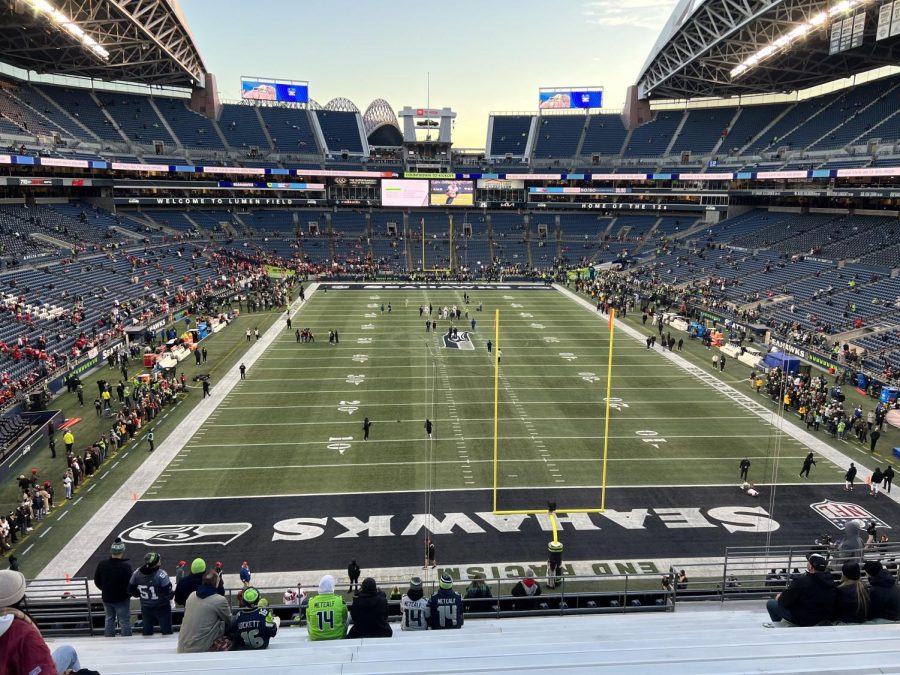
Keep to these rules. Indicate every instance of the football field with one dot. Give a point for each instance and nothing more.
(280, 470)
(295, 425)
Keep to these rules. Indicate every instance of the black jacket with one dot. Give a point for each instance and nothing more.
(847, 608)
(186, 586)
(810, 598)
(885, 597)
(112, 577)
(370, 616)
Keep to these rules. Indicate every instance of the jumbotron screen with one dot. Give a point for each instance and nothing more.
(452, 193)
(404, 192)
(551, 99)
(286, 91)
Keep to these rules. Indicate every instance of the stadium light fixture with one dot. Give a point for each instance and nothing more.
(69, 26)
(796, 34)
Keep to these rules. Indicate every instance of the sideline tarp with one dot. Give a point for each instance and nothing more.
(788, 363)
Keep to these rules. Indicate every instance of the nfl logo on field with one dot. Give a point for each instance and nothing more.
(840, 513)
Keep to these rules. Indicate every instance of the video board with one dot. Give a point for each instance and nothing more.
(559, 98)
(452, 193)
(404, 192)
(286, 91)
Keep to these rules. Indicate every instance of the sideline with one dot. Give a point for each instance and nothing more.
(780, 424)
(75, 554)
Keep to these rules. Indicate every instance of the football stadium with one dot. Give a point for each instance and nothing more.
(618, 385)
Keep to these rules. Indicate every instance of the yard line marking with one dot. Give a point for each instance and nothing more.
(25, 552)
(477, 438)
(568, 460)
(78, 500)
(88, 490)
(62, 515)
(44, 533)
(779, 423)
(78, 550)
(593, 404)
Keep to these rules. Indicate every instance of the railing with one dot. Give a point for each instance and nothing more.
(745, 573)
(74, 607)
(755, 572)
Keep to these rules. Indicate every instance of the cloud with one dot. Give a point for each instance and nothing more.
(642, 14)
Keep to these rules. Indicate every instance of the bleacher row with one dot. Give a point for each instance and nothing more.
(699, 640)
(107, 117)
(828, 122)
(127, 126)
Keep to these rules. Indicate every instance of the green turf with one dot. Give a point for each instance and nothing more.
(225, 349)
(272, 434)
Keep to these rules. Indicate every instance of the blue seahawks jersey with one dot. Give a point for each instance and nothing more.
(252, 629)
(446, 609)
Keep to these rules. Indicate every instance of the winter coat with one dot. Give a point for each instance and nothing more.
(847, 607)
(885, 596)
(22, 649)
(206, 615)
(112, 577)
(188, 585)
(369, 612)
(810, 598)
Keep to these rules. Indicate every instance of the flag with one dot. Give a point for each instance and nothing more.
(612, 317)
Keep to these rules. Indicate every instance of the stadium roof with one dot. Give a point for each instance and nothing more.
(705, 40)
(147, 41)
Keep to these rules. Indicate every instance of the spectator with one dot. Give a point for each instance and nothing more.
(369, 612)
(206, 615)
(353, 572)
(112, 577)
(850, 548)
(326, 613)
(414, 607)
(253, 626)
(527, 587)
(190, 582)
(808, 599)
(852, 595)
(22, 649)
(153, 586)
(478, 593)
(883, 592)
(445, 607)
(245, 574)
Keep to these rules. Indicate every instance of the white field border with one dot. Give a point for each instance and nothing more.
(782, 426)
(73, 556)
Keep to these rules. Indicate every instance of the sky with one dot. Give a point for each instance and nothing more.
(483, 56)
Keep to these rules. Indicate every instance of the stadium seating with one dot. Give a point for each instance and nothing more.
(558, 136)
(241, 128)
(136, 117)
(605, 135)
(510, 134)
(716, 639)
(702, 130)
(80, 104)
(192, 129)
(341, 130)
(653, 138)
(290, 130)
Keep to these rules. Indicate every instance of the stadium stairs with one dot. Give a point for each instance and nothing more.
(703, 638)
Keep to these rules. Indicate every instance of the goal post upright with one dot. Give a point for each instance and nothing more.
(496, 354)
(609, 372)
(605, 460)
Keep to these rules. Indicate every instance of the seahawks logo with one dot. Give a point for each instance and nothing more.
(459, 341)
(154, 536)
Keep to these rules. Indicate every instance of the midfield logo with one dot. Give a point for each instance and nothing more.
(840, 513)
(183, 535)
(459, 341)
